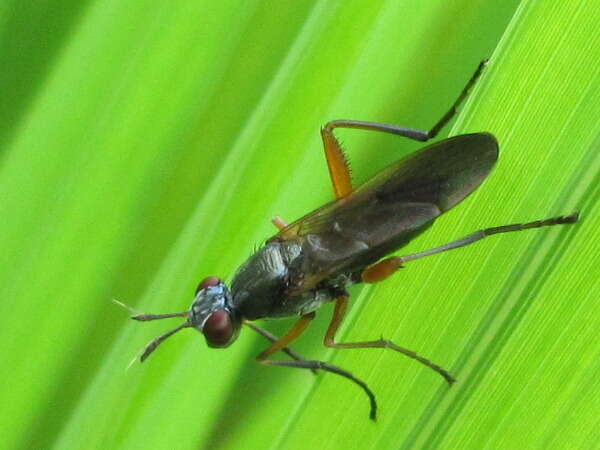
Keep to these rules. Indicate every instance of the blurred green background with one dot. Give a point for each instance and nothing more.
(146, 144)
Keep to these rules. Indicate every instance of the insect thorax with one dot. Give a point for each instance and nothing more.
(261, 287)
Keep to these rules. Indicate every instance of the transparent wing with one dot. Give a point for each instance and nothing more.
(391, 208)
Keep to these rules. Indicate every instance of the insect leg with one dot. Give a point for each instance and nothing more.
(279, 223)
(320, 365)
(281, 226)
(337, 162)
(293, 334)
(271, 337)
(461, 98)
(410, 133)
(478, 235)
(381, 270)
(341, 304)
(289, 337)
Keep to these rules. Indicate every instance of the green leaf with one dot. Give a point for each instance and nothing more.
(147, 144)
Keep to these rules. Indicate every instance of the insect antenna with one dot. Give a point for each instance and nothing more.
(148, 317)
(141, 317)
(157, 341)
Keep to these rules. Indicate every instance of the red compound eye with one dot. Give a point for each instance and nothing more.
(218, 329)
(207, 282)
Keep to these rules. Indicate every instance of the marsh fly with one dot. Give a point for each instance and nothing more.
(347, 241)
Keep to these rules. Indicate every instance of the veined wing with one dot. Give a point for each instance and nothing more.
(391, 208)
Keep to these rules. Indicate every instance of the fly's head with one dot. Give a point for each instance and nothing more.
(213, 314)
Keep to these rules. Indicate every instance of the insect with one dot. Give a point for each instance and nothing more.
(348, 241)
